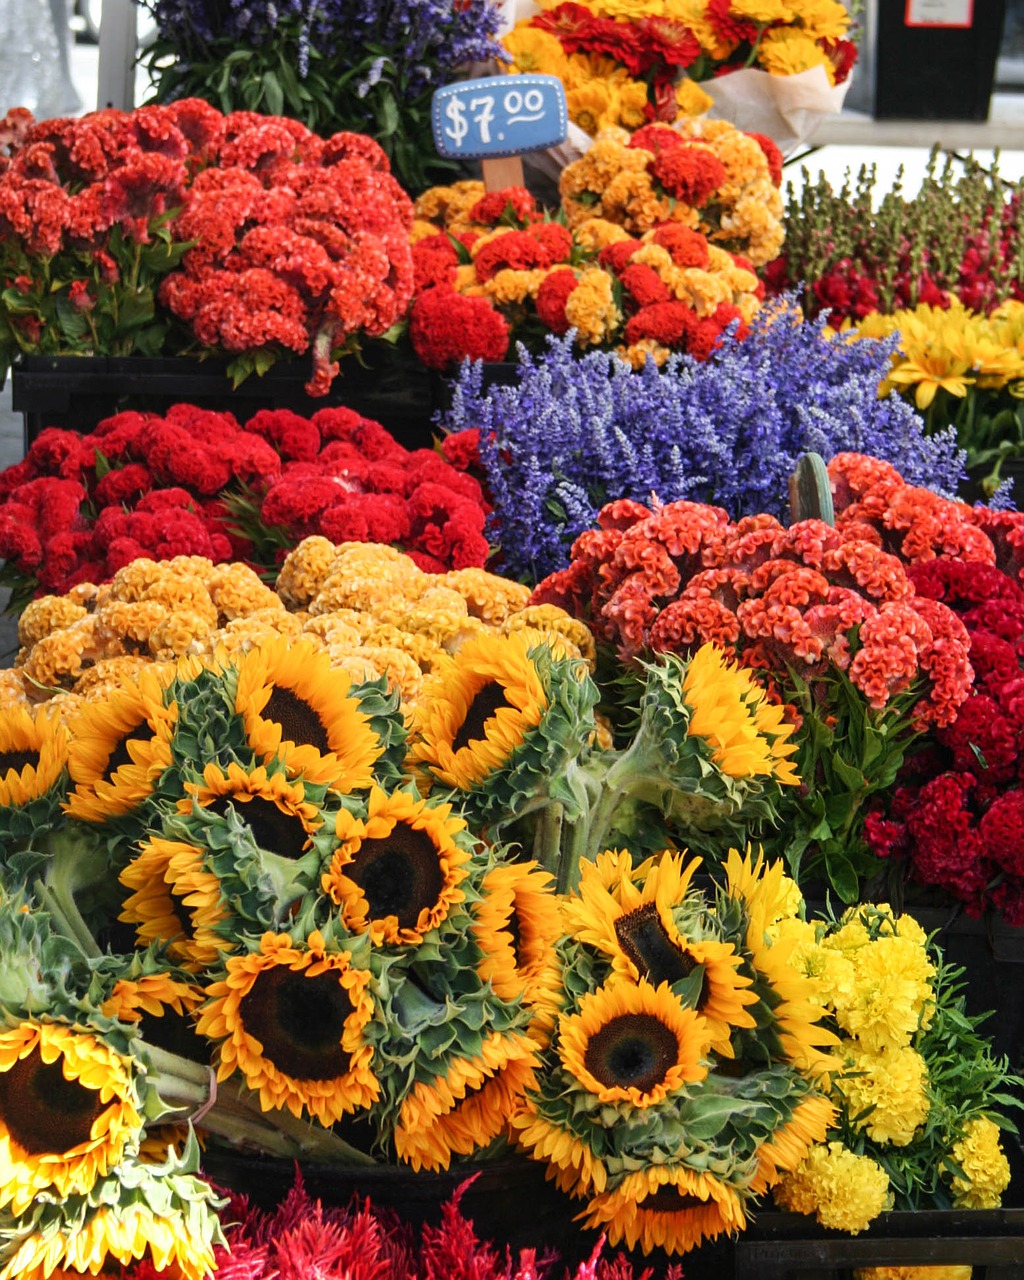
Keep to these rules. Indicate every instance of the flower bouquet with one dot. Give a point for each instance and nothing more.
(79, 507)
(179, 230)
(366, 68)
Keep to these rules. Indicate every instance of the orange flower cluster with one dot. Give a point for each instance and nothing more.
(811, 600)
(873, 503)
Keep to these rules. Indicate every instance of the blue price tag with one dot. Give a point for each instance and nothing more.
(499, 116)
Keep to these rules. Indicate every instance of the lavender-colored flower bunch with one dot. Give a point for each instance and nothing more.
(575, 433)
(370, 66)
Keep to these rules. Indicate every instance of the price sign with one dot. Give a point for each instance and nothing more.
(499, 116)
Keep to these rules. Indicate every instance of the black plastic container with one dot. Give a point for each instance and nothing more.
(936, 72)
(78, 392)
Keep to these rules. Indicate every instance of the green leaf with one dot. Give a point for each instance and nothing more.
(273, 93)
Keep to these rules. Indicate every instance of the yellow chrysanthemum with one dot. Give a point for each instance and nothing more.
(841, 1189)
(67, 1112)
(292, 1021)
(986, 1171)
(175, 902)
(476, 709)
(627, 914)
(397, 873)
(747, 733)
(469, 1106)
(296, 706)
(123, 1233)
(633, 1044)
(34, 748)
(668, 1207)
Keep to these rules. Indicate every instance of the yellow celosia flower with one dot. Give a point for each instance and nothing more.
(591, 308)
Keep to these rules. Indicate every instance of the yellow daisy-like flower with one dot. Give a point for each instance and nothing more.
(986, 1171)
(469, 1106)
(176, 902)
(516, 924)
(124, 1234)
(747, 733)
(67, 1112)
(789, 1144)
(840, 1188)
(34, 748)
(591, 105)
(627, 915)
(476, 709)
(292, 1021)
(396, 875)
(273, 806)
(668, 1207)
(824, 19)
(120, 746)
(634, 1044)
(536, 52)
(298, 707)
(786, 51)
(798, 1010)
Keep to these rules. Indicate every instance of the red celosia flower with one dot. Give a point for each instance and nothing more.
(552, 296)
(688, 248)
(772, 154)
(644, 285)
(690, 174)
(434, 261)
(291, 435)
(515, 203)
(448, 327)
(616, 256)
(670, 323)
(657, 138)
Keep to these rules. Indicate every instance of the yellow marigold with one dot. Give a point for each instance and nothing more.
(592, 173)
(785, 51)
(891, 1086)
(631, 199)
(385, 635)
(591, 309)
(843, 1190)
(537, 52)
(638, 353)
(12, 688)
(754, 228)
(133, 580)
(304, 570)
(344, 627)
(986, 1169)
(47, 614)
(184, 593)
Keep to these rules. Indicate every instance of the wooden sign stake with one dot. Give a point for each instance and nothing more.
(501, 172)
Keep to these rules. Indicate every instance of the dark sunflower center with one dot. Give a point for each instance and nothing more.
(644, 939)
(299, 1021)
(632, 1051)
(671, 1200)
(298, 720)
(399, 875)
(44, 1111)
(119, 756)
(485, 702)
(272, 829)
(17, 760)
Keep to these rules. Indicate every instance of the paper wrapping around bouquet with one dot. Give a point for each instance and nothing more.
(787, 108)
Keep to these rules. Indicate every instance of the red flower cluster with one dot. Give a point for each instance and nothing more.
(957, 815)
(300, 244)
(809, 599)
(195, 482)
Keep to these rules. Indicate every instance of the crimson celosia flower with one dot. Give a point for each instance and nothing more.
(448, 327)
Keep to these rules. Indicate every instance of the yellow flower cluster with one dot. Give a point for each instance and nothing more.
(841, 1189)
(923, 1272)
(598, 91)
(612, 181)
(986, 1169)
(369, 606)
(955, 349)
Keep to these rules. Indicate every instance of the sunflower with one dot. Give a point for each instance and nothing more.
(668, 1207)
(120, 746)
(33, 754)
(295, 705)
(468, 1107)
(516, 923)
(292, 1019)
(627, 914)
(477, 708)
(162, 1007)
(114, 1234)
(397, 873)
(793, 997)
(810, 1122)
(68, 1111)
(572, 1163)
(747, 735)
(177, 902)
(634, 1044)
(272, 806)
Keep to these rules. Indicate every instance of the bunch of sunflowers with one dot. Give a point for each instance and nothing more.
(253, 900)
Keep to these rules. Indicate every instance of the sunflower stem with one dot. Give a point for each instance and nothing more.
(547, 837)
(67, 919)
